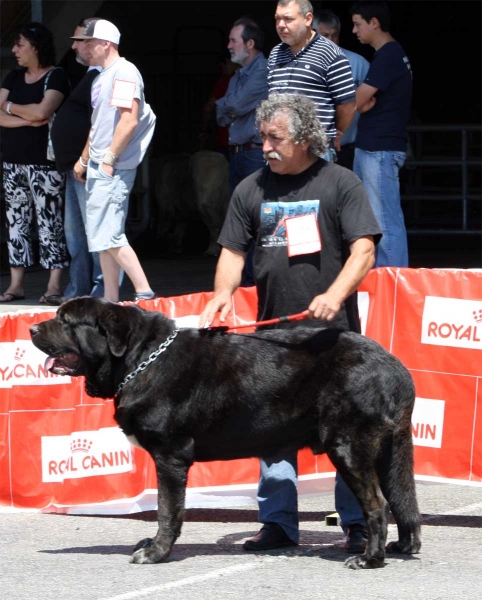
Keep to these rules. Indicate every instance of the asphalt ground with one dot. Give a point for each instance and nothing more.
(65, 557)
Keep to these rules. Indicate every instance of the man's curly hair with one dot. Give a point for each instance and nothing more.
(303, 124)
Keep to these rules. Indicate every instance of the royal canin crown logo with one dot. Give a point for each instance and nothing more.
(19, 353)
(477, 315)
(80, 445)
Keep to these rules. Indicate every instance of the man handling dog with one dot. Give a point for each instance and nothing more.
(317, 263)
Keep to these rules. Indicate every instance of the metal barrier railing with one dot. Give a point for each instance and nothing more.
(465, 162)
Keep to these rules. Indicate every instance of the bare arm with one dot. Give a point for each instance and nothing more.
(344, 114)
(125, 128)
(122, 135)
(12, 121)
(38, 112)
(79, 169)
(362, 258)
(227, 279)
(365, 97)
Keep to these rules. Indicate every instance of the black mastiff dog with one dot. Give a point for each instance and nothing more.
(194, 395)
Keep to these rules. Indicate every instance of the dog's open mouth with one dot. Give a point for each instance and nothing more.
(67, 364)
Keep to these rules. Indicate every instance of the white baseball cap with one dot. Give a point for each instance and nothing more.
(101, 30)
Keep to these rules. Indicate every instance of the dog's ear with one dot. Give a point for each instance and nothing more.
(116, 328)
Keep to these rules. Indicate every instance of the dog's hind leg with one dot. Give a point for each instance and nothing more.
(359, 474)
(395, 470)
(171, 481)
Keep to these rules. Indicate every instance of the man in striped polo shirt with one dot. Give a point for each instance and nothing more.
(307, 63)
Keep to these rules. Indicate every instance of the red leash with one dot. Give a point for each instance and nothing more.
(298, 317)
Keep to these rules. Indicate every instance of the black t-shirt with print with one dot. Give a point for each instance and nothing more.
(28, 145)
(258, 205)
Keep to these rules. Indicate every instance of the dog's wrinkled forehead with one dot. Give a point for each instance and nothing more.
(86, 310)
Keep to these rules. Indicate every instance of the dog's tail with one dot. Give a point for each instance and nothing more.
(395, 472)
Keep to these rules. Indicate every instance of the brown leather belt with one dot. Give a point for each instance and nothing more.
(243, 147)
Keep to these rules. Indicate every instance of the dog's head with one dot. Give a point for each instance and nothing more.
(90, 337)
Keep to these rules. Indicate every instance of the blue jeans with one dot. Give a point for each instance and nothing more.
(242, 164)
(278, 497)
(379, 174)
(85, 272)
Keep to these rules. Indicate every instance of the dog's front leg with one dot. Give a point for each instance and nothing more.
(171, 482)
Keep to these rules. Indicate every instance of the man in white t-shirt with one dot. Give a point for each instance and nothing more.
(122, 128)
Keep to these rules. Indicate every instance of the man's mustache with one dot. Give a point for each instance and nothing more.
(272, 154)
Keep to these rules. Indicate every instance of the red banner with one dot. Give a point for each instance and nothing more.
(60, 450)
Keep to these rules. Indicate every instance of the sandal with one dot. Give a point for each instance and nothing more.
(12, 297)
(52, 300)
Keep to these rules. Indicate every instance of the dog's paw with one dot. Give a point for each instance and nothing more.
(402, 548)
(363, 562)
(147, 553)
(145, 543)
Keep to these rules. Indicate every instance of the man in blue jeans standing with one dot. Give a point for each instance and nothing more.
(322, 274)
(236, 110)
(383, 100)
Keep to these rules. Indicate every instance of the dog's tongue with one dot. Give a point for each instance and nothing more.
(49, 363)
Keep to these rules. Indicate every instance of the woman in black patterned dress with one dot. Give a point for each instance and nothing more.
(29, 96)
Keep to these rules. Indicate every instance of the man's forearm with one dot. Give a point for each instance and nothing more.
(86, 151)
(369, 104)
(223, 118)
(365, 97)
(354, 271)
(229, 271)
(344, 114)
(122, 135)
(227, 279)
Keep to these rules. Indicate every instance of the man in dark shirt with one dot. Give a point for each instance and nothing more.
(69, 134)
(236, 110)
(328, 249)
(246, 89)
(383, 100)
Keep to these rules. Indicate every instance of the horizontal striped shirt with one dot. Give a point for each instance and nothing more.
(320, 71)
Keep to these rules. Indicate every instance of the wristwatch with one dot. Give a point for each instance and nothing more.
(109, 158)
